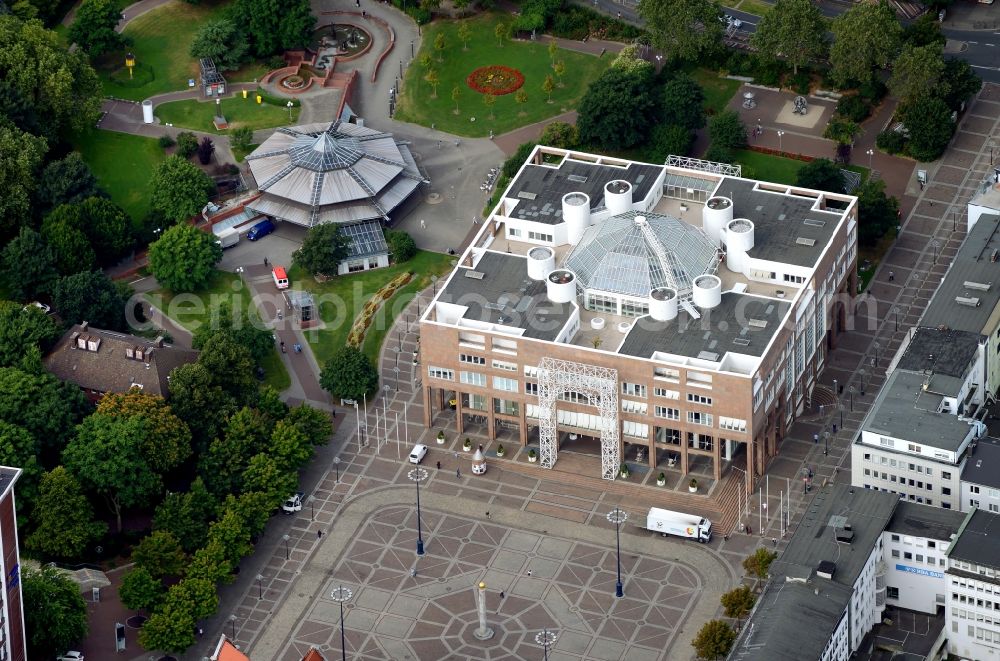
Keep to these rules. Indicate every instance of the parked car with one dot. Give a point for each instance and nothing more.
(293, 503)
(260, 230)
(418, 453)
(280, 277)
(41, 306)
(72, 655)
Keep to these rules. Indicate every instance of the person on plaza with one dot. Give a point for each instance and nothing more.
(458, 472)
(439, 465)
(892, 276)
(282, 347)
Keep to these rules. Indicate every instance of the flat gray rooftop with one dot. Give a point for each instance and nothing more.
(868, 512)
(539, 189)
(983, 464)
(780, 221)
(978, 540)
(973, 265)
(721, 329)
(504, 294)
(792, 621)
(919, 520)
(942, 351)
(903, 410)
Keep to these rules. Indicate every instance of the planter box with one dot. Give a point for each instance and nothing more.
(532, 459)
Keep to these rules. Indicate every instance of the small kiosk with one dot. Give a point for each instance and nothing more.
(479, 462)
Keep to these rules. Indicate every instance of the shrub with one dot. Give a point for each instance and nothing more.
(166, 141)
(854, 108)
(889, 141)
(187, 144)
(513, 164)
(768, 72)
(275, 101)
(873, 91)
(799, 82)
(401, 245)
(668, 139)
(720, 154)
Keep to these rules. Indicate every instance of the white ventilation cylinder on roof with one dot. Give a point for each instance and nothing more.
(715, 216)
(739, 240)
(576, 215)
(663, 304)
(707, 292)
(618, 196)
(541, 262)
(560, 285)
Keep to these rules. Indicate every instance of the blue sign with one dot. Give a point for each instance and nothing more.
(921, 572)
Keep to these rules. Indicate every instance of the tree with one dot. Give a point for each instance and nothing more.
(275, 25)
(929, 122)
(246, 435)
(107, 227)
(401, 245)
(520, 98)
(962, 83)
(167, 443)
(48, 408)
(200, 401)
(170, 629)
(726, 131)
(55, 615)
(21, 156)
(670, 139)
(187, 144)
(682, 29)
(92, 296)
(925, 31)
(198, 593)
(464, 34)
(866, 38)
(63, 518)
(28, 265)
(314, 424)
(841, 130)
(186, 515)
(139, 591)
(821, 174)
(439, 45)
(714, 640)
(433, 80)
(560, 134)
(232, 366)
(231, 530)
(877, 213)
(553, 49)
(19, 448)
(758, 563)
(205, 150)
(289, 446)
(223, 41)
(323, 249)
(489, 101)
(179, 189)
(917, 73)
(264, 474)
(243, 328)
(107, 457)
(630, 59)
(683, 103)
(501, 32)
(184, 258)
(795, 31)
(618, 110)
(559, 68)
(349, 374)
(160, 554)
(209, 562)
(94, 27)
(241, 138)
(456, 94)
(738, 602)
(22, 327)
(70, 246)
(547, 86)
(65, 181)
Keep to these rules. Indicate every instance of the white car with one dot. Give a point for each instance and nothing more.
(418, 454)
(41, 306)
(293, 503)
(72, 655)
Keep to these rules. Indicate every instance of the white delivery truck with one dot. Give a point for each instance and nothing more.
(679, 524)
(228, 237)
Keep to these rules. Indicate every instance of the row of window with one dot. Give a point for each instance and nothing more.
(978, 586)
(918, 557)
(903, 465)
(992, 507)
(904, 496)
(985, 604)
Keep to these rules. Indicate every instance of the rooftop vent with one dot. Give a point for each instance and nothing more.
(968, 302)
(845, 534)
(994, 256)
(802, 241)
(475, 275)
(526, 195)
(742, 341)
(826, 569)
(577, 178)
(757, 323)
(979, 286)
(708, 355)
(813, 223)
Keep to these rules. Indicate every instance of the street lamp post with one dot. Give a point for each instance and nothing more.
(826, 443)
(260, 592)
(546, 639)
(336, 465)
(835, 391)
(935, 244)
(395, 370)
(780, 133)
(895, 317)
(871, 154)
(875, 347)
(850, 389)
(861, 373)
(618, 516)
(992, 144)
(286, 538)
(341, 594)
(232, 621)
(840, 408)
(417, 475)
(434, 282)
(312, 508)
(290, 104)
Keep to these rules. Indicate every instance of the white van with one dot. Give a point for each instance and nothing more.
(280, 277)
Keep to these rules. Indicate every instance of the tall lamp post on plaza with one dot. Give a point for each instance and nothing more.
(285, 538)
(618, 516)
(232, 621)
(341, 594)
(826, 443)
(875, 347)
(546, 639)
(895, 317)
(417, 475)
(260, 592)
(840, 407)
(862, 373)
(336, 465)
(935, 244)
(992, 144)
(851, 389)
(871, 154)
(780, 133)
(434, 283)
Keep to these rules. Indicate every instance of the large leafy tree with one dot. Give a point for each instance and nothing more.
(168, 439)
(209, 562)
(738, 602)
(924, 31)
(198, 593)
(324, 247)
(94, 27)
(179, 189)
(170, 629)
(27, 265)
(290, 446)
(962, 83)
(223, 41)
(183, 259)
(186, 515)
(618, 110)
(683, 29)
(70, 246)
(758, 563)
(725, 133)
(21, 156)
(929, 122)
(275, 25)
(160, 554)
(55, 615)
(246, 435)
(19, 448)
(683, 103)
(66, 181)
(795, 30)
(714, 640)
(918, 73)
(349, 374)
(314, 423)
(107, 457)
(265, 475)
(866, 38)
(821, 174)
(877, 212)
(139, 591)
(231, 365)
(63, 518)
(200, 401)
(22, 327)
(107, 226)
(48, 408)
(92, 296)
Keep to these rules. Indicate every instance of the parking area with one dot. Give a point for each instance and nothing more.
(277, 247)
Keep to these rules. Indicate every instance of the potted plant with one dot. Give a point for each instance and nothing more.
(500, 450)
(532, 455)
(623, 471)
(661, 479)
(693, 485)
(467, 445)
(440, 437)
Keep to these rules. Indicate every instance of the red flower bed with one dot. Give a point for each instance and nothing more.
(495, 79)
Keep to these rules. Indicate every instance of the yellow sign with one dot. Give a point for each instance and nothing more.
(260, 99)
(244, 94)
(129, 62)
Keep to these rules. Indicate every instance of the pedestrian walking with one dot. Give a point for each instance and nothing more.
(282, 347)
(749, 530)
(357, 3)
(458, 472)
(502, 595)
(319, 534)
(364, 14)
(423, 224)
(529, 572)
(892, 276)
(439, 465)
(265, 261)
(488, 515)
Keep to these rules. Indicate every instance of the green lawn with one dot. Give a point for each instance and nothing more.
(417, 104)
(718, 90)
(766, 167)
(342, 298)
(122, 164)
(198, 115)
(239, 154)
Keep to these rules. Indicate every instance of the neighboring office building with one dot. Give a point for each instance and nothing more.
(701, 301)
(986, 200)
(981, 477)
(973, 615)
(101, 361)
(12, 635)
